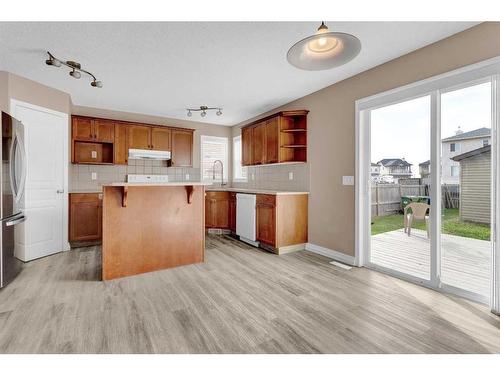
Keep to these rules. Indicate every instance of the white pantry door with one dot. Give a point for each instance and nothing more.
(45, 200)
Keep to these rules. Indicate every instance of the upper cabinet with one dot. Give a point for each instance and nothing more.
(272, 140)
(95, 130)
(182, 148)
(160, 139)
(139, 136)
(104, 130)
(103, 141)
(92, 140)
(280, 138)
(246, 146)
(82, 128)
(259, 143)
(121, 144)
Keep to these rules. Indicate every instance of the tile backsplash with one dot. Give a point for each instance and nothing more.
(80, 175)
(268, 177)
(276, 177)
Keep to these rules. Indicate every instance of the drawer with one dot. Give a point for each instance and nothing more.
(266, 200)
(85, 197)
(218, 195)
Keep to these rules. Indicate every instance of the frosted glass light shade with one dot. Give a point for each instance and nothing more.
(324, 50)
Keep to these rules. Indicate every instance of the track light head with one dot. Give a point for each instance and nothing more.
(95, 83)
(75, 74)
(219, 112)
(53, 62)
(203, 114)
(189, 114)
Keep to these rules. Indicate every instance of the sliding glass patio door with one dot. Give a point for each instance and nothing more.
(466, 189)
(400, 201)
(427, 182)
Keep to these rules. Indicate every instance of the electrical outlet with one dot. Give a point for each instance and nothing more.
(253, 176)
(187, 176)
(93, 154)
(94, 176)
(290, 176)
(347, 180)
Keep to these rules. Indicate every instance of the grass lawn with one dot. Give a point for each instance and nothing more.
(450, 222)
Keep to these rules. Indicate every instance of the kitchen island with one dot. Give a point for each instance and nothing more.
(151, 226)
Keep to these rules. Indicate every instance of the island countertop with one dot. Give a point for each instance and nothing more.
(184, 183)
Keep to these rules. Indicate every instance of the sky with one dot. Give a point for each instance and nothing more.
(403, 130)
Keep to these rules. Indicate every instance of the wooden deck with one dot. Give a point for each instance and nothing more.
(465, 262)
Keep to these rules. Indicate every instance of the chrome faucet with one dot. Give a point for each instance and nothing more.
(222, 172)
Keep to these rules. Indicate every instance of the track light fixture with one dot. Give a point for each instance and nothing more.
(203, 109)
(76, 69)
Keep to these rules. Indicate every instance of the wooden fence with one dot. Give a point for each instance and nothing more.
(386, 198)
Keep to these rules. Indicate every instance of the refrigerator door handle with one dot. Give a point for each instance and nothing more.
(17, 189)
(16, 220)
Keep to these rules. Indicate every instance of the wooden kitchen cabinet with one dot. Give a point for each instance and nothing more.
(121, 144)
(279, 138)
(259, 144)
(104, 130)
(246, 146)
(160, 139)
(232, 212)
(105, 141)
(281, 222)
(85, 217)
(93, 130)
(92, 153)
(182, 148)
(266, 219)
(217, 209)
(139, 137)
(272, 140)
(82, 128)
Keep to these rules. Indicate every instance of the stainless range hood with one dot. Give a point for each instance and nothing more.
(134, 153)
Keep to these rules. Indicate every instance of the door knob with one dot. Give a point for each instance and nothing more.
(60, 191)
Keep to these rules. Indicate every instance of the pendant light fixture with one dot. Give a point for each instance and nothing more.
(324, 50)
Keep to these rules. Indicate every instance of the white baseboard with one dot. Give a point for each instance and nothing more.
(332, 254)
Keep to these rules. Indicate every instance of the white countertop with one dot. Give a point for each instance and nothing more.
(258, 191)
(185, 183)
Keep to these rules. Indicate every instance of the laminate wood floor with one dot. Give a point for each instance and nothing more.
(241, 300)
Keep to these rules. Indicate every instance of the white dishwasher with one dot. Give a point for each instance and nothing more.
(245, 217)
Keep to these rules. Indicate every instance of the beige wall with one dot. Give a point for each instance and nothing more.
(200, 128)
(4, 91)
(331, 125)
(32, 92)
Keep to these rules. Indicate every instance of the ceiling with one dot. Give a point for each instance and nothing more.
(162, 68)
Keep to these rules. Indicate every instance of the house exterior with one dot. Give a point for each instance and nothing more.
(459, 144)
(397, 168)
(475, 184)
(374, 170)
(425, 169)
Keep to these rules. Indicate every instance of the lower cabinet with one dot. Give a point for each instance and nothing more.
(266, 219)
(217, 209)
(232, 212)
(85, 217)
(281, 220)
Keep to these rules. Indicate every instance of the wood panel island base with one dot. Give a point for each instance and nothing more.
(149, 227)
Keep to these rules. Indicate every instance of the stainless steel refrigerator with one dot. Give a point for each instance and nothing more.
(12, 180)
